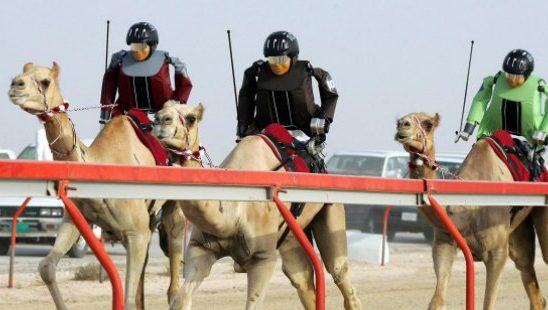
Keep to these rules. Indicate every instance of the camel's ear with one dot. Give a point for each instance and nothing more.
(436, 120)
(55, 70)
(199, 111)
(27, 67)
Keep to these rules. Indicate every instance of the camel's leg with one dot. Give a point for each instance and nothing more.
(329, 229)
(140, 296)
(297, 268)
(540, 221)
(443, 255)
(259, 274)
(198, 263)
(522, 252)
(494, 265)
(67, 235)
(173, 221)
(137, 248)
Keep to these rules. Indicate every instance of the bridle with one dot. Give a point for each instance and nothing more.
(187, 153)
(422, 160)
(48, 114)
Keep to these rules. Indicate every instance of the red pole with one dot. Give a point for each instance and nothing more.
(13, 236)
(384, 232)
(309, 249)
(95, 245)
(452, 229)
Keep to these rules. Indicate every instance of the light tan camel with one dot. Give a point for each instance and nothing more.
(36, 91)
(488, 231)
(176, 125)
(248, 232)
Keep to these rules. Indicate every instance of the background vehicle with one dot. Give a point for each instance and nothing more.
(368, 218)
(41, 219)
(7, 154)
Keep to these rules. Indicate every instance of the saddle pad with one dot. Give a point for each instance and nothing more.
(280, 142)
(500, 141)
(150, 141)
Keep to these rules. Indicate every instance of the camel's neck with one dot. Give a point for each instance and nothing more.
(62, 138)
(422, 166)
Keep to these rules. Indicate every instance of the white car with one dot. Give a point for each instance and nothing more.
(40, 221)
(387, 164)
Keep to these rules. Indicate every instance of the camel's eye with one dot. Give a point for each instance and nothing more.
(168, 120)
(45, 83)
(427, 125)
(190, 119)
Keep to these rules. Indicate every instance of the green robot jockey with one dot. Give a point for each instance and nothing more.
(513, 104)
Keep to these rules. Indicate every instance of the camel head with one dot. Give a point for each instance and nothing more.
(416, 132)
(36, 89)
(176, 125)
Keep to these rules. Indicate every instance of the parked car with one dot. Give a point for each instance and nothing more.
(389, 164)
(40, 221)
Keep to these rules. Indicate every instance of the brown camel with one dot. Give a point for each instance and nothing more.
(491, 233)
(36, 91)
(176, 125)
(248, 232)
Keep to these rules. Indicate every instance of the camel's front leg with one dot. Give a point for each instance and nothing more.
(173, 222)
(198, 263)
(259, 273)
(137, 249)
(297, 268)
(329, 229)
(522, 252)
(494, 265)
(67, 235)
(443, 254)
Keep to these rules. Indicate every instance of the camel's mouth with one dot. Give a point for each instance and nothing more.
(18, 99)
(401, 137)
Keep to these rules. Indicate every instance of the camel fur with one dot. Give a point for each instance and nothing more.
(491, 233)
(248, 232)
(36, 92)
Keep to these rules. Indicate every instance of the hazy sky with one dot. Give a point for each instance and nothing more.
(387, 58)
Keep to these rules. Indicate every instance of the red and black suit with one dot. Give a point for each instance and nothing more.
(144, 84)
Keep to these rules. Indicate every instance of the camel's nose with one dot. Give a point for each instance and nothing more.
(405, 123)
(19, 83)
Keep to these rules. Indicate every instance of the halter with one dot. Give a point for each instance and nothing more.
(424, 160)
(186, 153)
(48, 114)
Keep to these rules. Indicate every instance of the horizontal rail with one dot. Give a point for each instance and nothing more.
(31, 178)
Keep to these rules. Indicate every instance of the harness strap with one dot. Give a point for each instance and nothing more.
(296, 210)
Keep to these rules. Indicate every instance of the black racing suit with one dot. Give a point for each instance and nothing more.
(288, 99)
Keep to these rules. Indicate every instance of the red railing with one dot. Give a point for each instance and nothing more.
(77, 172)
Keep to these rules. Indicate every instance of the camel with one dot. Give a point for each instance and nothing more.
(491, 233)
(176, 125)
(36, 92)
(248, 232)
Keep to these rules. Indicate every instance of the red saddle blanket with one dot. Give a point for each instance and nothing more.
(140, 121)
(501, 141)
(281, 143)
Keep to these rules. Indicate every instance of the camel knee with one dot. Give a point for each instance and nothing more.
(47, 268)
(301, 280)
(339, 269)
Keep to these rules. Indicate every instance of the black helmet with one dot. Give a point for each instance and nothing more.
(142, 33)
(519, 61)
(281, 43)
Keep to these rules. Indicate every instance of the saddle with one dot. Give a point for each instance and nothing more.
(143, 126)
(514, 152)
(291, 152)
